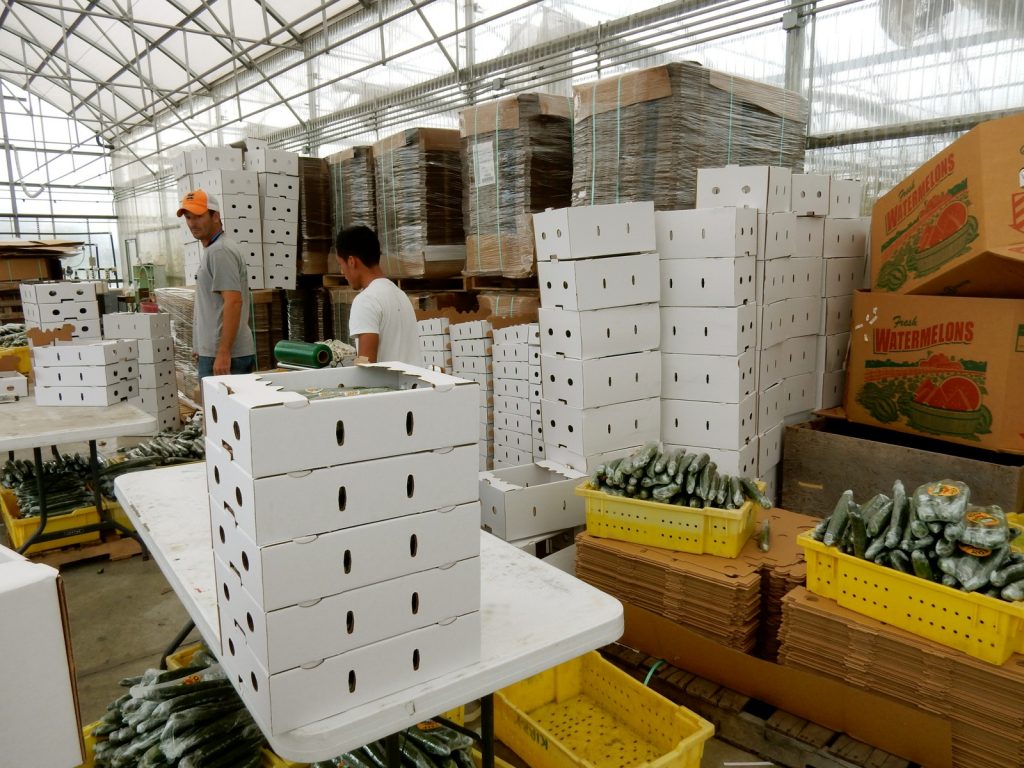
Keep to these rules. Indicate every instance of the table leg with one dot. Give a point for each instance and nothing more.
(394, 750)
(178, 640)
(106, 521)
(487, 730)
(37, 454)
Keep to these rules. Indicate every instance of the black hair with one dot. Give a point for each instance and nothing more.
(360, 241)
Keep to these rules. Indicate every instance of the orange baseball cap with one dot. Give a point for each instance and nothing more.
(198, 202)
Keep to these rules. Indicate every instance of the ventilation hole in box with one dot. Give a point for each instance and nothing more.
(746, 189)
(408, 423)
(707, 426)
(707, 378)
(216, 475)
(568, 333)
(633, 279)
(549, 284)
(636, 377)
(609, 429)
(342, 498)
(714, 191)
(636, 330)
(231, 646)
(608, 332)
(252, 679)
(565, 285)
(245, 561)
(250, 622)
(636, 423)
(414, 545)
(238, 432)
(705, 331)
(570, 428)
(350, 622)
(410, 486)
(674, 333)
(223, 538)
(671, 235)
(346, 561)
(416, 660)
(598, 229)
(238, 495)
(227, 592)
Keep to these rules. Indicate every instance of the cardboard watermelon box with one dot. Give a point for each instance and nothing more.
(956, 225)
(945, 367)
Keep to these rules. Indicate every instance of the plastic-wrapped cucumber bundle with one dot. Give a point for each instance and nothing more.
(353, 187)
(426, 745)
(943, 501)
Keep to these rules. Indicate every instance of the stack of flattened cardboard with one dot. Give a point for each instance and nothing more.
(353, 188)
(983, 701)
(314, 215)
(34, 259)
(643, 135)
(268, 322)
(179, 303)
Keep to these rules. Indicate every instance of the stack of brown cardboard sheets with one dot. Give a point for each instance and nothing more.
(269, 324)
(34, 259)
(983, 701)
(315, 226)
(353, 188)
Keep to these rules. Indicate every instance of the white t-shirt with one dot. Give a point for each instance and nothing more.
(382, 308)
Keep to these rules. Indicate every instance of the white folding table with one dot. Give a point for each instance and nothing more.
(534, 616)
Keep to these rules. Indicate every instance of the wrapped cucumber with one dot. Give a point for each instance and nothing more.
(753, 492)
(984, 527)
(898, 520)
(675, 455)
(665, 493)
(684, 465)
(1008, 575)
(1014, 592)
(950, 581)
(736, 491)
(943, 501)
(944, 547)
(875, 548)
(922, 568)
(839, 520)
(707, 477)
(974, 573)
(901, 561)
(722, 491)
(879, 521)
(645, 456)
(858, 532)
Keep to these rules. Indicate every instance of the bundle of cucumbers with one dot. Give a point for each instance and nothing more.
(426, 745)
(675, 476)
(166, 448)
(189, 718)
(934, 533)
(64, 479)
(13, 335)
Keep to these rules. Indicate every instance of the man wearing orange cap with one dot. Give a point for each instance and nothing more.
(221, 339)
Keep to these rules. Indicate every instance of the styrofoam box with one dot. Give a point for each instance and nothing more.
(157, 400)
(433, 326)
(706, 233)
(436, 342)
(223, 183)
(279, 209)
(801, 392)
(517, 405)
(845, 238)
(539, 450)
(769, 451)
(62, 311)
(215, 159)
(790, 278)
(586, 431)
(614, 281)
(514, 422)
(707, 282)
(708, 330)
(836, 314)
(14, 383)
(535, 392)
(155, 350)
(280, 232)
(799, 355)
(530, 500)
(766, 188)
(251, 252)
(511, 387)
(85, 353)
(775, 235)
(559, 454)
(54, 292)
(741, 462)
(845, 199)
(509, 439)
(599, 332)
(830, 389)
(844, 276)
(770, 408)
(113, 393)
(272, 161)
(788, 318)
(271, 428)
(278, 185)
(238, 207)
(506, 457)
(137, 325)
(535, 376)
(832, 352)
(602, 380)
(86, 375)
(473, 329)
(728, 426)
(279, 253)
(485, 380)
(80, 329)
(811, 194)
(305, 634)
(304, 695)
(770, 367)
(808, 237)
(594, 230)
(709, 378)
(464, 365)
(156, 375)
(471, 348)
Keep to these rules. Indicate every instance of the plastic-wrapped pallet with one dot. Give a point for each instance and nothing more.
(315, 233)
(354, 188)
(516, 161)
(642, 135)
(419, 203)
(517, 303)
(436, 345)
(52, 305)
(179, 303)
(514, 413)
(471, 359)
(158, 386)
(405, 472)
(87, 372)
(600, 331)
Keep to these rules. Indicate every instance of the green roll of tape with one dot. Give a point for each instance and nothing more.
(303, 353)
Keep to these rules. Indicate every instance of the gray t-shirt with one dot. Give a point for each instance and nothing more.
(221, 268)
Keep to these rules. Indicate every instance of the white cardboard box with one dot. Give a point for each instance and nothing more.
(790, 278)
(471, 348)
(603, 380)
(284, 232)
(594, 230)
(156, 401)
(257, 280)
(279, 254)
(832, 351)
(193, 258)
(598, 430)
(14, 384)
(535, 392)
(54, 292)
(776, 235)
(808, 237)
(245, 230)
(845, 199)
(39, 719)
(278, 276)
(514, 422)
(739, 463)
(278, 185)
(599, 332)
(505, 457)
(769, 451)
(156, 375)
(433, 326)
(235, 207)
(516, 440)
(770, 407)
(272, 161)
(788, 318)
(108, 395)
(168, 418)
(80, 329)
(836, 314)
(709, 378)
(516, 352)
(467, 365)
(530, 500)
(512, 387)
(86, 375)
(799, 355)
(156, 350)
(222, 183)
(515, 405)
(770, 366)
(512, 334)
(279, 209)
(616, 281)
(137, 325)
(729, 426)
(845, 238)
(64, 311)
(587, 464)
(85, 353)
(708, 330)
(272, 428)
(252, 252)
(766, 188)
(706, 233)
(811, 194)
(830, 389)
(473, 329)
(215, 159)
(844, 276)
(484, 380)
(539, 450)
(535, 373)
(708, 282)
(801, 392)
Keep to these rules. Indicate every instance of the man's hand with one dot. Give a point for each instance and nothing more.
(222, 364)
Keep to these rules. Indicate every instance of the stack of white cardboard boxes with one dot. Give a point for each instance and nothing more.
(375, 587)
(86, 373)
(277, 175)
(472, 360)
(52, 305)
(536, 391)
(158, 388)
(600, 329)
(436, 344)
(513, 409)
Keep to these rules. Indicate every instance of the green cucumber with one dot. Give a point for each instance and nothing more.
(922, 568)
(707, 477)
(1013, 592)
(723, 490)
(818, 532)
(736, 491)
(684, 465)
(898, 519)
(753, 492)
(880, 519)
(839, 520)
(950, 581)
(858, 532)
(1007, 575)
(675, 455)
(665, 492)
(900, 561)
(874, 549)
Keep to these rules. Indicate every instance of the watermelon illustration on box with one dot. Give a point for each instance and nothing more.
(944, 367)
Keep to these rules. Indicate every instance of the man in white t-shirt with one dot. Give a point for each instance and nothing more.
(382, 321)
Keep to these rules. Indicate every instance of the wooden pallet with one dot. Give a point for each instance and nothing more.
(115, 547)
(752, 725)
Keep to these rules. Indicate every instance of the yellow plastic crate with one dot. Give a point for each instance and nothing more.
(710, 531)
(587, 712)
(983, 627)
(19, 529)
(23, 355)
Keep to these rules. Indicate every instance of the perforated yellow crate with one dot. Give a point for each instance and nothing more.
(19, 529)
(710, 531)
(983, 627)
(587, 712)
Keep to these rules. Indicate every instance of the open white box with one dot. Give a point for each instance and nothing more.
(86, 375)
(729, 426)
(137, 325)
(271, 428)
(831, 388)
(845, 199)
(602, 380)
(708, 282)
(85, 353)
(530, 500)
(766, 188)
(844, 276)
(832, 351)
(278, 185)
(599, 332)
(514, 352)
(587, 431)
(279, 209)
(769, 451)
(836, 314)
(472, 329)
(615, 281)
(776, 235)
(13, 384)
(845, 238)
(790, 278)
(808, 237)
(222, 183)
(100, 396)
(709, 378)
(706, 233)
(799, 355)
(708, 330)
(594, 230)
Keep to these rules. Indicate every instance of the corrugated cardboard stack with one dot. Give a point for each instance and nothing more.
(513, 411)
(34, 259)
(471, 359)
(158, 386)
(86, 373)
(436, 346)
(52, 305)
(277, 180)
(599, 331)
(643, 135)
(516, 161)
(981, 700)
(322, 612)
(315, 233)
(268, 325)
(354, 188)
(419, 203)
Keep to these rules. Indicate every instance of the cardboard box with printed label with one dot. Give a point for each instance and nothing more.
(85, 353)
(845, 238)
(957, 223)
(788, 278)
(707, 282)
(615, 281)
(137, 325)
(594, 230)
(808, 237)
(811, 194)
(706, 233)
(938, 366)
(112, 393)
(729, 426)
(599, 332)
(86, 375)
(603, 380)
(598, 430)
(708, 330)
(709, 378)
(530, 500)
(766, 188)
